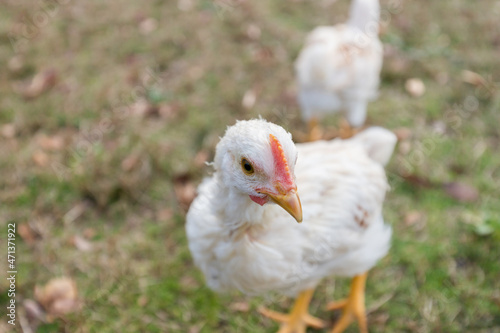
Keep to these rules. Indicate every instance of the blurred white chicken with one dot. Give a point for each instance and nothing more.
(339, 68)
(242, 241)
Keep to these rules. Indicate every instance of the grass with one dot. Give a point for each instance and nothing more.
(112, 174)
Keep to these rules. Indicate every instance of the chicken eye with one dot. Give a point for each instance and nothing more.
(246, 166)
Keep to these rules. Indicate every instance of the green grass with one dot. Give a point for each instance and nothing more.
(443, 271)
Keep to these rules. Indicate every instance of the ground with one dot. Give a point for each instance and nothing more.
(109, 110)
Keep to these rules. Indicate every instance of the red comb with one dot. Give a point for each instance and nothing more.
(281, 164)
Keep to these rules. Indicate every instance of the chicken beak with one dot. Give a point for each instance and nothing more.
(290, 202)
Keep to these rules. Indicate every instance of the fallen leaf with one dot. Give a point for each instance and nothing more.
(28, 235)
(253, 31)
(33, 310)
(143, 108)
(187, 281)
(8, 131)
(148, 25)
(16, 63)
(40, 158)
(379, 319)
(439, 127)
(195, 328)
(412, 217)
(249, 99)
(473, 78)
(461, 192)
(240, 306)
(263, 54)
(403, 133)
(418, 180)
(81, 243)
(496, 298)
(442, 78)
(53, 143)
(58, 297)
(201, 158)
(142, 301)
(40, 83)
(404, 147)
(415, 87)
(185, 5)
(195, 72)
(185, 191)
(89, 233)
(130, 162)
(75, 212)
(395, 62)
(164, 214)
(168, 111)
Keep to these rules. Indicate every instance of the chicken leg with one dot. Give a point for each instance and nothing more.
(315, 132)
(299, 318)
(353, 306)
(346, 131)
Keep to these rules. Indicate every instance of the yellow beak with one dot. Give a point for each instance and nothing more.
(290, 202)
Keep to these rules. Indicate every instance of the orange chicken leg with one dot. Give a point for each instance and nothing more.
(352, 307)
(299, 318)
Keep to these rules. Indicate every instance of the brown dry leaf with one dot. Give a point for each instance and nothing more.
(89, 233)
(81, 243)
(415, 87)
(473, 78)
(164, 214)
(249, 99)
(253, 31)
(461, 192)
(415, 219)
(130, 162)
(240, 306)
(187, 281)
(201, 158)
(185, 191)
(404, 147)
(148, 25)
(395, 61)
(16, 63)
(412, 217)
(33, 310)
(196, 328)
(142, 301)
(41, 82)
(442, 78)
(58, 297)
(403, 133)
(379, 319)
(28, 235)
(8, 131)
(168, 111)
(143, 108)
(496, 298)
(195, 72)
(75, 212)
(185, 5)
(52, 143)
(40, 158)
(418, 180)
(263, 54)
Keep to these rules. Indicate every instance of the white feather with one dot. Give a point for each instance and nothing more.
(339, 66)
(239, 244)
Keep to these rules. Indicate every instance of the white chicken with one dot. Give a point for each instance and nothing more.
(241, 241)
(339, 68)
